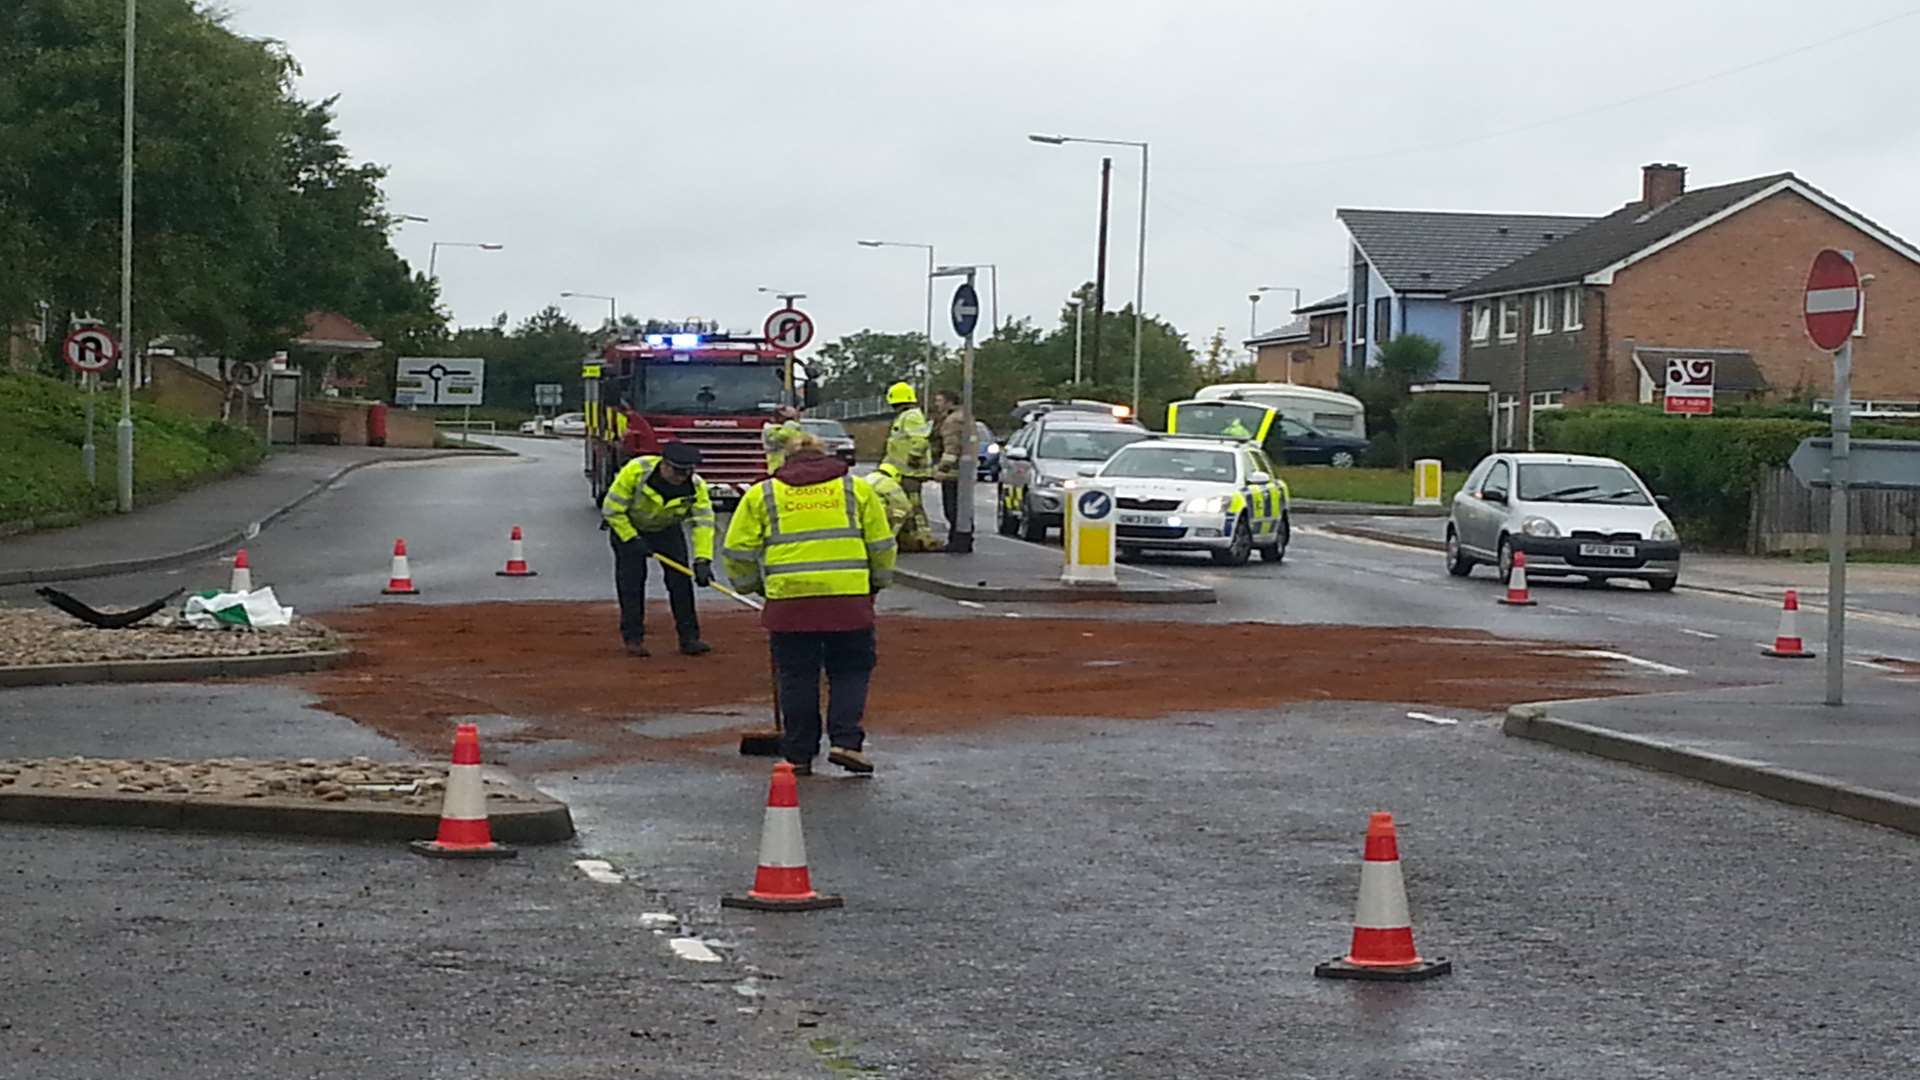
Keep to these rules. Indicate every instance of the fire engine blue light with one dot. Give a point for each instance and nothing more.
(686, 341)
(656, 339)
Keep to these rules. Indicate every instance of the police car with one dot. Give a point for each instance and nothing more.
(1217, 495)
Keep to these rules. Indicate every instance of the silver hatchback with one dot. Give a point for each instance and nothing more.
(1572, 515)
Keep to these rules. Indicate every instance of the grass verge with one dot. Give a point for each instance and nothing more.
(1392, 487)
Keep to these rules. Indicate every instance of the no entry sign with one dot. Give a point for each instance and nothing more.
(90, 350)
(1833, 300)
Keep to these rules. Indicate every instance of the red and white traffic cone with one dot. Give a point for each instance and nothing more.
(1786, 643)
(516, 557)
(464, 832)
(242, 574)
(1517, 593)
(400, 579)
(782, 883)
(1382, 930)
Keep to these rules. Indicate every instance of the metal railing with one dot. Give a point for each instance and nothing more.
(851, 409)
(468, 427)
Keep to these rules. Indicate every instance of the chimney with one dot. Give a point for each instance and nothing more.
(1661, 184)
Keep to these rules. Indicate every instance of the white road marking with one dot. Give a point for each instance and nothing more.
(1432, 719)
(1558, 610)
(1871, 666)
(1603, 654)
(1700, 634)
(598, 870)
(1011, 614)
(688, 948)
(970, 603)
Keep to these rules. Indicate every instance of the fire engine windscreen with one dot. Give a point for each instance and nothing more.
(731, 389)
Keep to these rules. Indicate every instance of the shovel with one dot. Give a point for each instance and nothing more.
(753, 743)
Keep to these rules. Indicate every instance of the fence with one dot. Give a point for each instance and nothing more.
(1787, 515)
(851, 409)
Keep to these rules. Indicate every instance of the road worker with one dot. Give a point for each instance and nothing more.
(778, 432)
(910, 453)
(885, 482)
(651, 504)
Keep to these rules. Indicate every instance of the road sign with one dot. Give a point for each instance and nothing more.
(1087, 533)
(243, 373)
(546, 394)
(1881, 464)
(1690, 385)
(789, 329)
(439, 380)
(1833, 299)
(90, 350)
(965, 309)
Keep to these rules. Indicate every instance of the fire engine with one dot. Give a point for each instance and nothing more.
(692, 384)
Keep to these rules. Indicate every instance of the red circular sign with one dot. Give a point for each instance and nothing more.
(1833, 300)
(90, 350)
(789, 329)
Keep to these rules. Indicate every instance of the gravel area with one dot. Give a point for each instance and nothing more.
(29, 638)
(358, 779)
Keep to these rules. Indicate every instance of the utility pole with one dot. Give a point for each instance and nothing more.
(129, 351)
(1100, 272)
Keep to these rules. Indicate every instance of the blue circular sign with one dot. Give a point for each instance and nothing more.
(965, 309)
(1094, 505)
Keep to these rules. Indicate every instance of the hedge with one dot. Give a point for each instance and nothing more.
(1708, 465)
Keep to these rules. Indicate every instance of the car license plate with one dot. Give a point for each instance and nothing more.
(1607, 551)
(1138, 519)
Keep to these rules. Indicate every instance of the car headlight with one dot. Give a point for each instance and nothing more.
(1539, 526)
(1663, 530)
(993, 448)
(1042, 480)
(1210, 504)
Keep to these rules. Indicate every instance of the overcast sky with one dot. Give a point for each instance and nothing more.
(679, 153)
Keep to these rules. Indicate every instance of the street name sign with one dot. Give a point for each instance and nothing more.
(1689, 386)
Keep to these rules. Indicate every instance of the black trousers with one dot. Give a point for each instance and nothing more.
(848, 657)
(630, 561)
(950, 500)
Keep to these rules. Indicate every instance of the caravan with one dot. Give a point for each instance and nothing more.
(1323, 410)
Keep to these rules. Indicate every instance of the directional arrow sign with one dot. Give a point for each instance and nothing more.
(1881, 464)
(965, 309)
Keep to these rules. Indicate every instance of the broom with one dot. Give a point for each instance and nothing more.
(752, 743)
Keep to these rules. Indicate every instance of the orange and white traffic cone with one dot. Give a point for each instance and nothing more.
(400, 579)
(782, 883)
(1517, 593)
(242, 574)
(464, 832)
(1382, 930)
(1786, 643)
(516, 557)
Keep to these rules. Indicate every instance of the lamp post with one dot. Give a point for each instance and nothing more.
(129, 356)
(926, 379)
(396, 219)
(1140, 260)
(1079, 337)
(786, 298)
(433, 251)
(1254, 296)
(613, 306)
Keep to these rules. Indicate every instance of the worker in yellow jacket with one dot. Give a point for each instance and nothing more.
(885, 482)
(910, 452)
(652, 503)
(815, 540)
(777, 433)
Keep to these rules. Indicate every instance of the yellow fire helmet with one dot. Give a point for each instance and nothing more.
(902, 394)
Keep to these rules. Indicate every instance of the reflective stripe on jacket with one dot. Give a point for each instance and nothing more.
(633, 506)
(819, 540)
(908, 444)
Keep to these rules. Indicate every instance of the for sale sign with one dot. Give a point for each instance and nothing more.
(1690, 386)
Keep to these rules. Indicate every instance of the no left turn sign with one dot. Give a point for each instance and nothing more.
(789, 329)
(90, 350)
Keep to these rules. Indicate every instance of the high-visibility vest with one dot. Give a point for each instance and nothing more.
(908, 444)
(828, 539)
(633, 506)
(893, 497)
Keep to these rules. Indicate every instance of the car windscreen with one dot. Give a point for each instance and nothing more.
(708, 388)
(826, 429)
(1232, 420)
(1579, 484)
(1173, 463)
(1086, 444)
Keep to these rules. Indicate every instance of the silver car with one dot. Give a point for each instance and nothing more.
(1575, 516)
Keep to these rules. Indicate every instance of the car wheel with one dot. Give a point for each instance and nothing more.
(1277, 550)
(1032, 528)
(1663, 584)
(1009, 525)
(1240, 548)
(1459, 563)
(1341, 459)
(1506, 560)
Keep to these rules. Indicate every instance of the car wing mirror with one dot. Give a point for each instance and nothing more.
(1017, 453)
(1088, 470)
(1494, 496)
(1664, 502)
(1260, 478)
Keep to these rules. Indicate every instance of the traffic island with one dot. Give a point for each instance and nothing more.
(44, 648)
(1002, 571)
(352, 798)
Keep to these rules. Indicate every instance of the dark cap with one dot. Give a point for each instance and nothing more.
(681, 455)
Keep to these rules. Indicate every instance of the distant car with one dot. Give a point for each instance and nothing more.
(1284, 438)
(571, 424)
(1301, 443)
(539, 425)
(1039, 459)
(1572, 515)
(1214, 495)
(988, 467)
(834, 435)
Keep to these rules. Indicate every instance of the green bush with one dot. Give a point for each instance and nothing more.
(1708, 465)
(1451, 427)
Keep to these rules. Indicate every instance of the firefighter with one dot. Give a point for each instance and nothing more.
(778, 432)
(885, 482)
(815, 541)
(952, 438)
(652, 501)
(909, 453)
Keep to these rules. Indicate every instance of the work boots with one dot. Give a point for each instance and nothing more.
(695, 647)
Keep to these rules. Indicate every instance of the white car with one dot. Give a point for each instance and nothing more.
(572, 423)
(1575, 516)
(1220, 496)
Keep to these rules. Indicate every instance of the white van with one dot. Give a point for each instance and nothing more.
(1328, 410)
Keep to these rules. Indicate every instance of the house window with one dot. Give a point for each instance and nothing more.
(1509, 318)
(1570, 307)
(1543, 313)
(1482, 325)
(1548, 399)
(1320, 332)
(1382, 319)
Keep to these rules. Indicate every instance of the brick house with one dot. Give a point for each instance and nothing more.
(1306, 351)
(1717, 272)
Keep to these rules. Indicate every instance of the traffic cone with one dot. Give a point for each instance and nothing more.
(516, 557)
(1786, 643)
(242, 574)
(400, 580)
(1517, 593)
(1382, 930)
(464, 832)
(781, 883)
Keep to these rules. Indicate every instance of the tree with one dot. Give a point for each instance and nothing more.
(1383, 389)
(866, 362)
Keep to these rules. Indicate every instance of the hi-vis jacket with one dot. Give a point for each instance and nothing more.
(908, 445)
(892, 496)
(818, 540)
(633, 506)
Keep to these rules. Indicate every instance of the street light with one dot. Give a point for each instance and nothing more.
(926, 387)
(1253, 299)
(398, 218)
(1140, 263)
(1079, 317)
(433, 251)
(123, 434)
(786, 298)
(613, 306)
